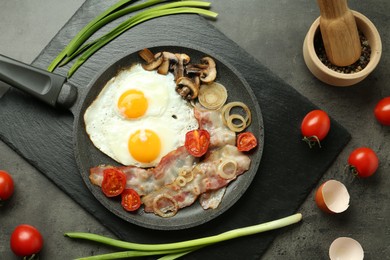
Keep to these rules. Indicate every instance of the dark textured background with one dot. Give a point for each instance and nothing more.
(258, 34)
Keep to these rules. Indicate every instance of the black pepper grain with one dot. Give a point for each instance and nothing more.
(359, 65)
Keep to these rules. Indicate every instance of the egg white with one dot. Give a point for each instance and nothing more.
(168, 115)
(155, 87)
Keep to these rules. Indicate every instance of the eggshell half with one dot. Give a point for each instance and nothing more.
(346, 248)
(332, 197)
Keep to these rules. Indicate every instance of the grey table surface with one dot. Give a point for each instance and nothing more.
(273, 32)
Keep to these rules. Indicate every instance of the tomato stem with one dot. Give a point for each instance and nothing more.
(351, 169)
(312, 141)
(31, 257)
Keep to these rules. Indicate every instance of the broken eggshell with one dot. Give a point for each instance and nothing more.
(332, 197)
(346, 248)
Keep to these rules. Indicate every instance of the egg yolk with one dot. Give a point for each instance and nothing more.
(144, 146)
(132, 104)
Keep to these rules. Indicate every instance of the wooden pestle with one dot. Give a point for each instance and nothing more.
(339, 32)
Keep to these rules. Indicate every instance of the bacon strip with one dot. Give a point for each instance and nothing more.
(145, 181)
(211, 120)
(179, 179)
(205, 179)
(220, 135)
(212, 199)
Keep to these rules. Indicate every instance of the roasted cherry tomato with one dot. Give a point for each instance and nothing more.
(26, 240)
(197, 142)
(130, 200)
(315, 127)
(6, 185)
(363, 162)
(114, 182)
(382, 111)
(246, 141)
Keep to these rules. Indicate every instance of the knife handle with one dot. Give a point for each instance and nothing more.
(46, 86)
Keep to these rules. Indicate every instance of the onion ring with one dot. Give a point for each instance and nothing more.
(212, 96)
(227, 117)
(168, 211)
(236, 127)
(181, 181)
(227, 169)
(188, 175)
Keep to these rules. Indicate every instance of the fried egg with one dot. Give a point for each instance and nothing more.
(138, 117)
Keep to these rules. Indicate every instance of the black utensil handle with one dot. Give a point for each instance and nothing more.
(46, 86)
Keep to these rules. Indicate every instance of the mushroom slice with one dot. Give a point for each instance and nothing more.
(146, 55)
(208, 75)
(168, 59)
(187, 88)
(182, 60)
(195, 69)
(151, 63)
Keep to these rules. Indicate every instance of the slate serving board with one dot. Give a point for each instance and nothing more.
(289, 170)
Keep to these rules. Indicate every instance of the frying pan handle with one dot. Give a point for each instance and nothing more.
(46, 86)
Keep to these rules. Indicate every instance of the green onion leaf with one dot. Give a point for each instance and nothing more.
(117, 10)
(188, 246)
(92, 26)
(130, 254)
(139, 18)
(92, 29)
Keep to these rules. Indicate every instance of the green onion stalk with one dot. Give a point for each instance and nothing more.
(76, 47)
(131, 22)
(73, 47)
(83, 31)
(178, 249)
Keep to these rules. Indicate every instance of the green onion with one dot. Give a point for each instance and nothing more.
(184, 247)
(110, 10)
(80, 39)
(73, 49)
(170, 254)
(131, 22)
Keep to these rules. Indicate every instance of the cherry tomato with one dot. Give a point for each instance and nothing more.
(363, 162)
(246, 141)
(382, 111)
(130, 200)
(315, 127)
(197, 142)
(114, 182)
(26, 240)
(6, 185)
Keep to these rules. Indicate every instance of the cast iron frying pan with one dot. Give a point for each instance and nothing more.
(54, 90)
